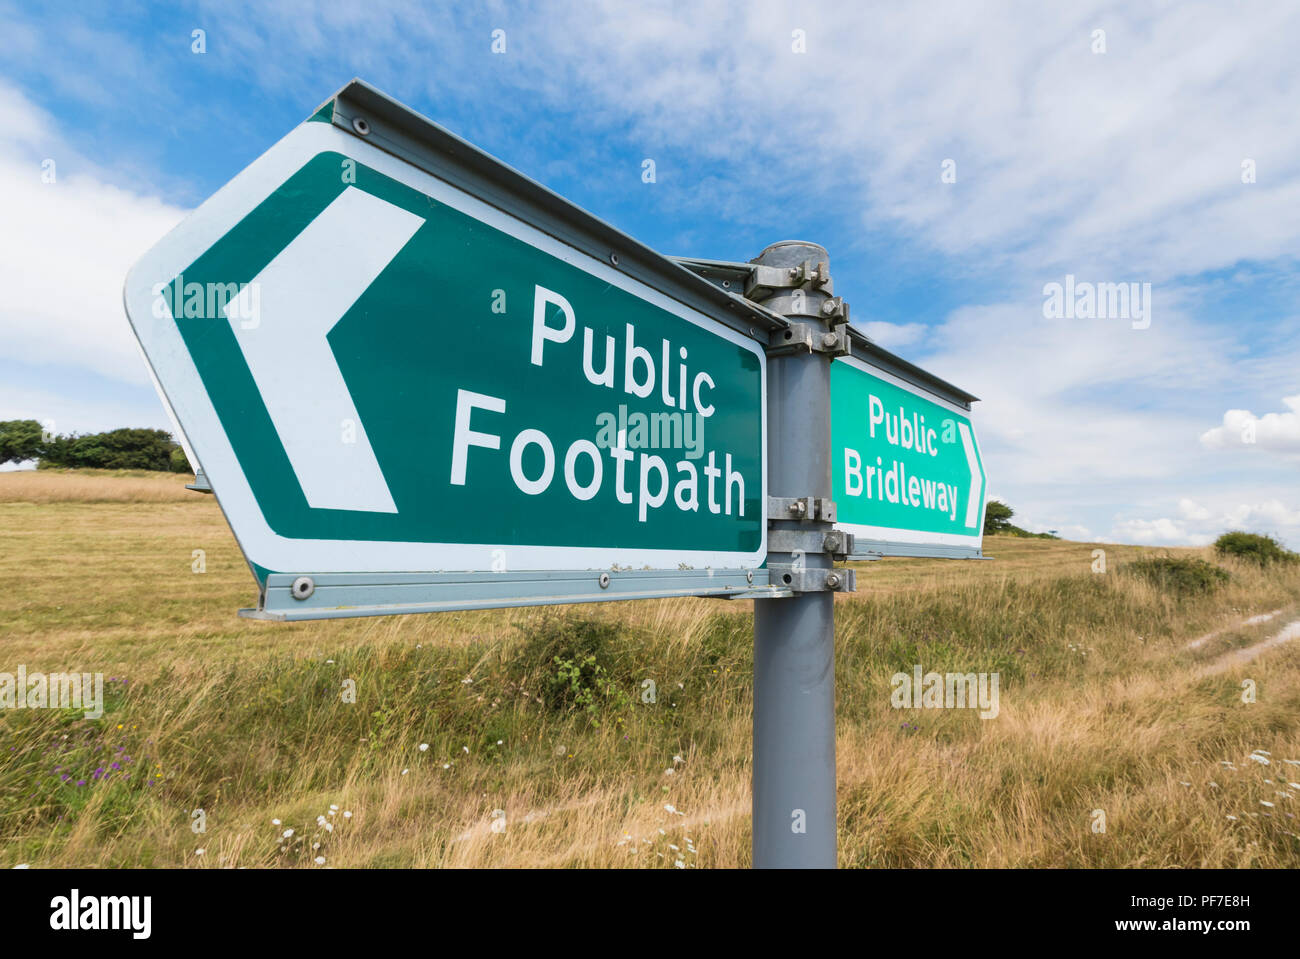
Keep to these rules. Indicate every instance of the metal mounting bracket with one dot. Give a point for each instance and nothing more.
(811, 338)
(801, 508)
(766, 280)
(835, 542)
(806, 579)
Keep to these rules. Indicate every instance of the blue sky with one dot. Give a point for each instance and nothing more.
(1115, 166)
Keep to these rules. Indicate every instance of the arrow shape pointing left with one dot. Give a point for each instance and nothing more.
(304, 292)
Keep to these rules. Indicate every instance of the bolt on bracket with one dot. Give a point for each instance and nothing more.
(804, 579)
(811, 338)
(836, 542)
(801, 508)
(766, 280)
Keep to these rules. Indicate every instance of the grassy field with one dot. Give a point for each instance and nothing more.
(519, 737)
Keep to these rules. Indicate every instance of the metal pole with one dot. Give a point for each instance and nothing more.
(794, 655)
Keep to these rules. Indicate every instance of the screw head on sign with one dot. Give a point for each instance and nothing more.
(604, 580)
(829, 339)
(361, 125)
(302, 587)
(832, 580)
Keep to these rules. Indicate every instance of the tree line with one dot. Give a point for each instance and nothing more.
(121, 449)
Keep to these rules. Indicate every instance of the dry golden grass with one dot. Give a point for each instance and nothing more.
(1103, 707)
(94, 486)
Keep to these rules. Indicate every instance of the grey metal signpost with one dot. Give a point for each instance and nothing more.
(339, 515)
(794, 638)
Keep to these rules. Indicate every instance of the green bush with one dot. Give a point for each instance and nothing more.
(574, 665)
(20, 440)
(124, 449)
(1177, 575)
(1263, 550)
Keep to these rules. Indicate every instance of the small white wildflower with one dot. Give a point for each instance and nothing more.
(446, 765)
(1233, 818)
(320, 820)
(465, 749)
(329, 827)
(320, 860)
(23, 865)
(500, 742)
(424, 747)
(1262, 760)
(199, 852)
(669, 807)
(668, 772)
(287, 833)
(347, 814)
(329, 662)
(678, 759)
(405, 771)
(679, 864)
(1265, 802)
(275, 822)
(334, 807)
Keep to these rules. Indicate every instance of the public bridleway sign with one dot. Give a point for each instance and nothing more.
(413, 391)
(906, 468)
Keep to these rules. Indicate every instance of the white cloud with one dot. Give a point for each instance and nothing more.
(893, 336)
(1159, 532)
(1273, 431)
(65, 250)
(1198, 525)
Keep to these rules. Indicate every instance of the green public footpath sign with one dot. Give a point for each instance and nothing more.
(380, 372)
(907, 474)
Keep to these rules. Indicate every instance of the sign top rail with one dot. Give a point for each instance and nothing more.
(362, 110)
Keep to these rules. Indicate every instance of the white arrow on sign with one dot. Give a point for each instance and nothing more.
(976, 498)
(302, 295)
